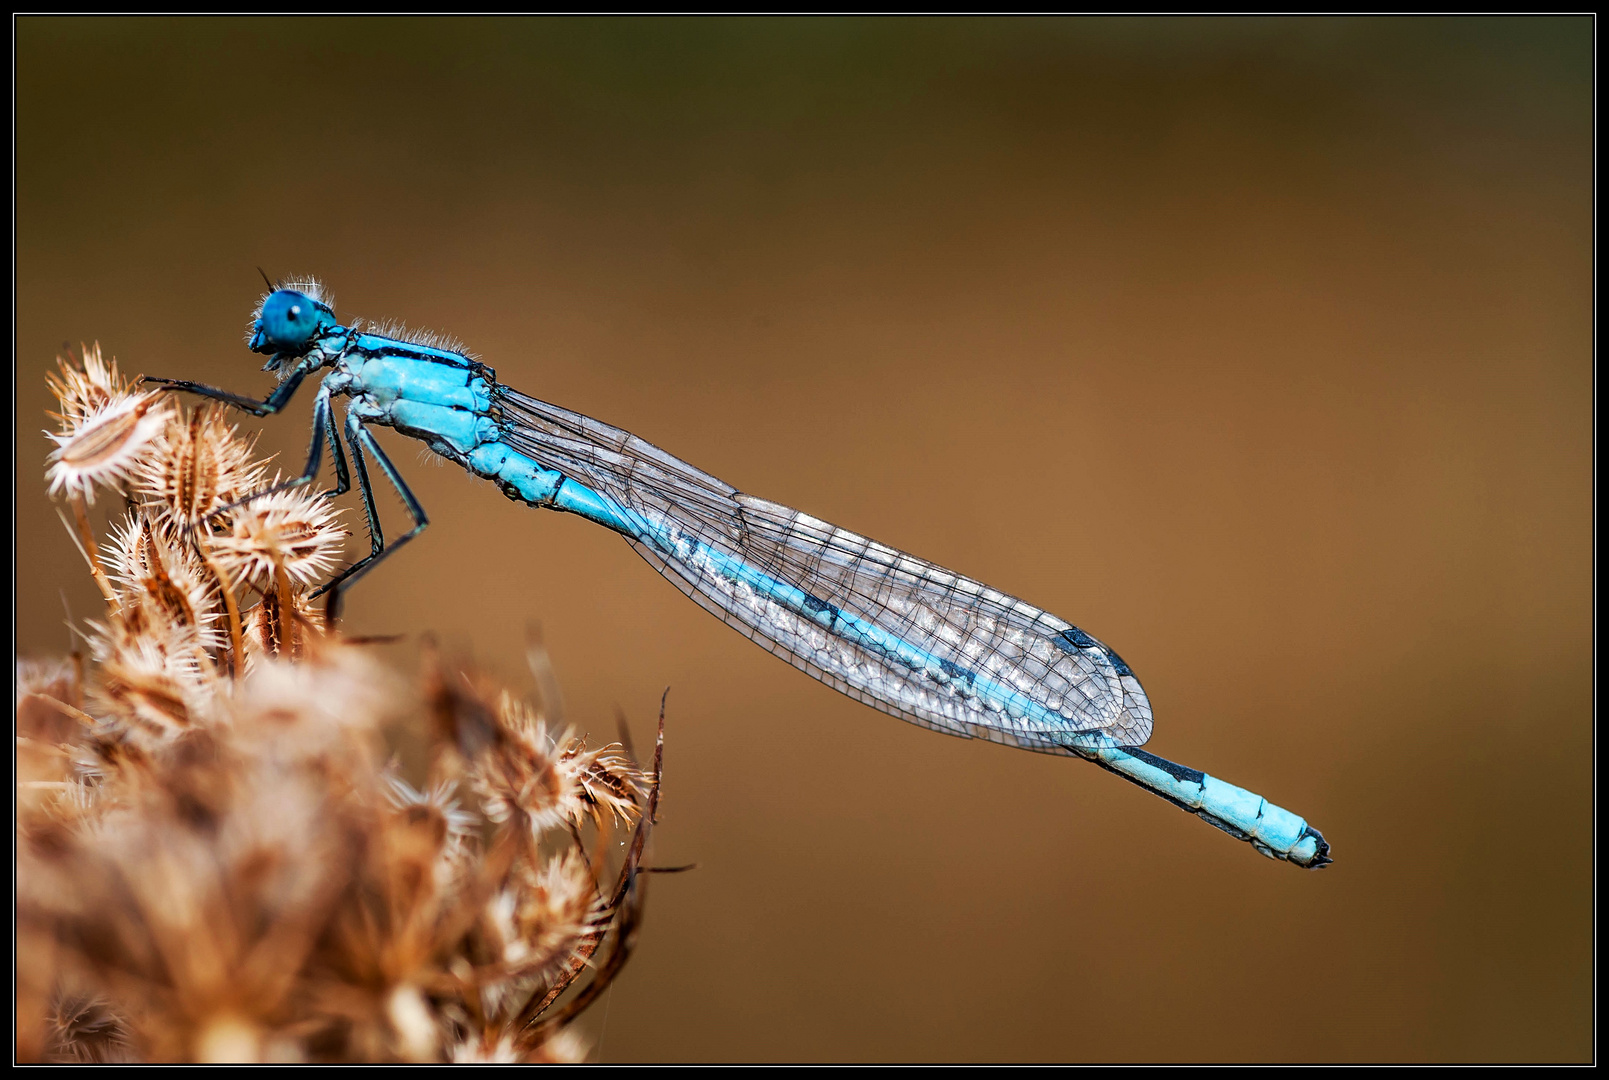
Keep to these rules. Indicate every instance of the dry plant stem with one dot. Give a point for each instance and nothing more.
(287, 618)
(92, 553)
(237, 650)
(65, 709)
(625, 939)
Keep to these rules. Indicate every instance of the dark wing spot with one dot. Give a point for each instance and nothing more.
(1074, 638)
(956, 671)
(1078, 639)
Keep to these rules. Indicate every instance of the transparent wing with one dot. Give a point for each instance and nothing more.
(970, 640)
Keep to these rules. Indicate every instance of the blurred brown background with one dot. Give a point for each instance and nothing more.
(1260, 349)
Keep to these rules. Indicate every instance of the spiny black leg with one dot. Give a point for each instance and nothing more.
(362, 440)
(322, 424)
(272, 404)
(343, 482)
(332, 606)
(366, 489)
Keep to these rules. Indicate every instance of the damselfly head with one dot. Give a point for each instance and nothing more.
(289, 321)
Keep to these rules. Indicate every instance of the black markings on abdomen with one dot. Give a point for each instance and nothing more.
(1173, 769)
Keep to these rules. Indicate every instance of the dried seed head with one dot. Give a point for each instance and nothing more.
(544, 914)
(154, 676)
(257, 887)
(437, 815)
(275, 628)
(47, 777)
(87, 389)
(194, 904)
(59, 679)
(412, 1023)
(520, 779)
(293, 531)
(437, 807)
(85, 1029)
(217, 866)
(162, 574)
(106, 446)
(330, 701)
(488, 1048)
(563, 1047)
(552, 781)
(610, 783)
(49, 717)
(200, 464)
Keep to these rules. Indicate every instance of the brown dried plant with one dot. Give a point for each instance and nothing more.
(218, 856)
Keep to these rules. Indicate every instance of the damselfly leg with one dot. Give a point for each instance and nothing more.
(269, 405)
(324, 428)
(361, 440)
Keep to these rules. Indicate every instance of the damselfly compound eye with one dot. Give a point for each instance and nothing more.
(289, 322)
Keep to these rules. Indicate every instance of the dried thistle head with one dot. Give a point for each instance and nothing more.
(248, 883)
(214, 865)
(60, 680)
(87, 386)
(156, 678)
(609, 781)
(160, 574)
(194, 905)
(104, 448)
(543, 913)
(281, 625)
(200, 464)
(550, 781)
(452, 829)
(293, 532)
(51, 769)
(329, 702)
(520, 781)
(85, 1029)
(106, 425)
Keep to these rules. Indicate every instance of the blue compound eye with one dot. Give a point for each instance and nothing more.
(289, 322)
